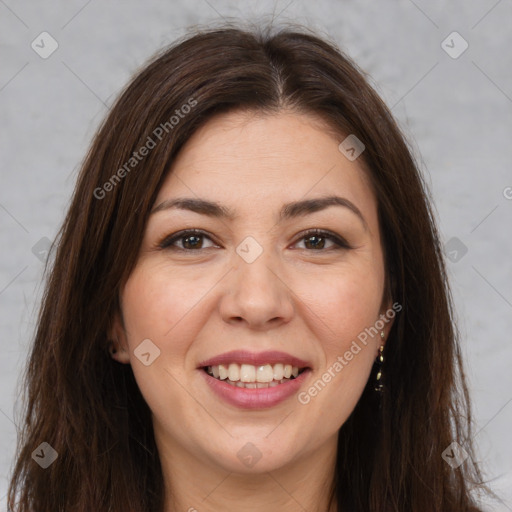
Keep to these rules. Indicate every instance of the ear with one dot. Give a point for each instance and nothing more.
(118, 346)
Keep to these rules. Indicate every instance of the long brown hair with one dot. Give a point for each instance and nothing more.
(88, 407)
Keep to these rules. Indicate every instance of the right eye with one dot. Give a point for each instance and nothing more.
(190, 240)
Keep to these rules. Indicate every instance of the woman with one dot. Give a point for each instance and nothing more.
(248, 307)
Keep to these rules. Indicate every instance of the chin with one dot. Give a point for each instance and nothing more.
(254, 454)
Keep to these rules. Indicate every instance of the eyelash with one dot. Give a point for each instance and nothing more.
(341, 244)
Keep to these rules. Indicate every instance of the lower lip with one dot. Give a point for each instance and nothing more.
(255, 398)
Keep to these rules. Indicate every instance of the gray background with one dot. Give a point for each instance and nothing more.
(456, 113)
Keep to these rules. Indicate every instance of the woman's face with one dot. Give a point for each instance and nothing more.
(253, 295)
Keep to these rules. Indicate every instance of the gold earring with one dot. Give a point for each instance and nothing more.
(379, 387)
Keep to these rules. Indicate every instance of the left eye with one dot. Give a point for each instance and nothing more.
(192, 240)
(316, 239)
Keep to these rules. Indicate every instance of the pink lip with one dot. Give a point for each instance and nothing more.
(255, 398)
(243, 356)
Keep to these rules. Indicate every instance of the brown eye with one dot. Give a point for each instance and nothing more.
(316, 240)
(190, 240)
(194, 240)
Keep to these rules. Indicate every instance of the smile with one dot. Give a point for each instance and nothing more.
(254, 380)
(250, 376)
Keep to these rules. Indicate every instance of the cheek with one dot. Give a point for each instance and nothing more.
(168, 307)
(158, 305)
(345, 307)
(343, 304)
(359, 299)
(345, 313)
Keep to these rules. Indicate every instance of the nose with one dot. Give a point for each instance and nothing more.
(257, 294)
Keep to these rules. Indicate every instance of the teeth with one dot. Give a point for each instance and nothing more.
(256, 385)
(247, 373)
(234, 372)
(252, 377)
(223, 372)
(278, 371)
(264, 373)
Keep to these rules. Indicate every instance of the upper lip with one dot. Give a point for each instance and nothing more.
(255, 358)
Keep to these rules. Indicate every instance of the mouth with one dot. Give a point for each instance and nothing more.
(251, 380)
(250, 376)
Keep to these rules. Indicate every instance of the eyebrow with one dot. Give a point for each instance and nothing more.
(288, 211)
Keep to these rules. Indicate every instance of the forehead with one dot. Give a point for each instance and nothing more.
(248, 160)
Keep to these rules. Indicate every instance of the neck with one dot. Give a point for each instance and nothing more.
(193, 485)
